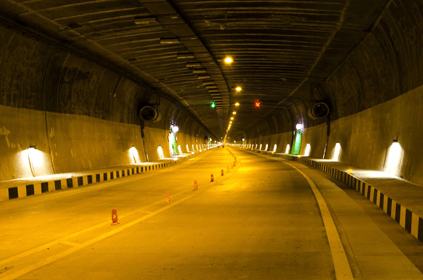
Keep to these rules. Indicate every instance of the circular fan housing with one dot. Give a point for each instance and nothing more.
(318, 110)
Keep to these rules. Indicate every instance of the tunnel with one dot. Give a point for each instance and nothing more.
(175, 139)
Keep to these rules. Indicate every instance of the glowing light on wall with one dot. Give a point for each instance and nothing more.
(267, 146)
(299, 126)
(196, 145)
(336, 152)
(297, 143)
(179, 149)
(133, 154)
(394, 159)
(160, 152)
(260, 146)
(307, 150)
(288, 148)
(274, 148)
(187, 148)
(38, 161)
(174, 128)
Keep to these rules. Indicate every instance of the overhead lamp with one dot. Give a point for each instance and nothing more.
(201, 77)
(199, 71)
(237, 104)
(232, 118)
(185, 55)
(193, 64)
(144, 20)
(206, 83)
(234, 113)
(238, 89)
(169, 40)
(228, 60)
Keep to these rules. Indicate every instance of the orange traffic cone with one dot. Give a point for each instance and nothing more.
(167, 196)
(211, 178)
(195, 185)
(114, 217)
(221, 172)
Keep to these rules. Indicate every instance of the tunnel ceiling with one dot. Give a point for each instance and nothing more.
(279, 48)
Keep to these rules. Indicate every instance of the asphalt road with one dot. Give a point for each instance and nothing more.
(263, 219)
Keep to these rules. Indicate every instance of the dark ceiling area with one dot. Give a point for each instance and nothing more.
(279, 48)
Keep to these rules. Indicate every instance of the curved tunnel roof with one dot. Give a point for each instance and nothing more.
(281, 49)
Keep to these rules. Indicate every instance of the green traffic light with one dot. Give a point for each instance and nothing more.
(213, 105)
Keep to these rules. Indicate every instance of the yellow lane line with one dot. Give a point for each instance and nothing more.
(340, 261)
(78, 247)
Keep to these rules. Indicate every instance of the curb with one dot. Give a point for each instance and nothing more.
(406, 218)
(25, 190)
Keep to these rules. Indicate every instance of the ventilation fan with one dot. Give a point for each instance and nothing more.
(149, 113)
(318, 110)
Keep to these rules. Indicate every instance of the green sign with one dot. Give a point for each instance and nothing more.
(297, 143)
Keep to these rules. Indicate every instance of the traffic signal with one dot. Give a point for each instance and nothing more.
(213, 105)
(257, 103)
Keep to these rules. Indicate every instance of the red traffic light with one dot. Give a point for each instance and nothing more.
(257, 104)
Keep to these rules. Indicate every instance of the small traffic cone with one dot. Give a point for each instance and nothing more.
(195, 185)
(114, 217)
(167, 196)
(221, 173)
(212, 178)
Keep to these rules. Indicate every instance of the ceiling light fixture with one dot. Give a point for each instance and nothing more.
(237, 104)
(228, 60)
(238, 89)
(199, 71)
(185, 55)
(144, 20)
(193, 64)
(169, 40)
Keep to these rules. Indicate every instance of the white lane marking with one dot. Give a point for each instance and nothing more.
(78, 247)
(340, 261)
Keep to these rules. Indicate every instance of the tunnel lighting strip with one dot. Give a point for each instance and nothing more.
(340, 261)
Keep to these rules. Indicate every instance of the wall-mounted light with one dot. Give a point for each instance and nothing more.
(336, 152)
(288, 148)
(160, 152)
(394, 159)
(299, 126)
(307, 150)
(274, 148)
(174, 128)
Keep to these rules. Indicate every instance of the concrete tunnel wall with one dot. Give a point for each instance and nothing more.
(78, 114)
(376, 96)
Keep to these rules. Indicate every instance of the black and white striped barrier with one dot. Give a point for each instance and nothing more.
(77, 181)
